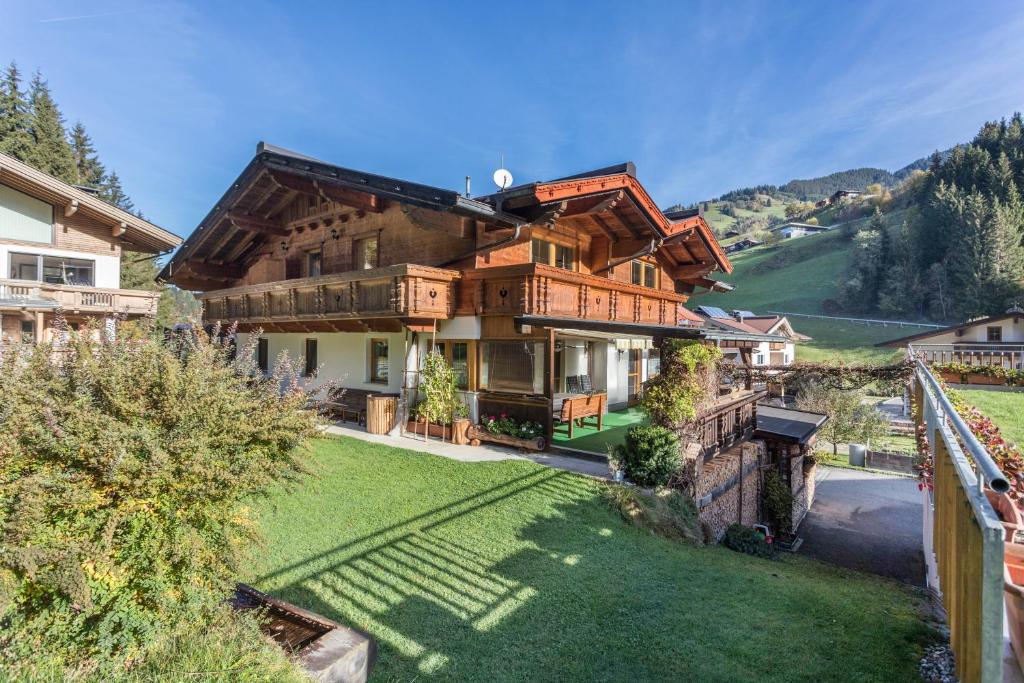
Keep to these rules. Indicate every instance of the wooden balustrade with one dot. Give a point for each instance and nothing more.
(729, 420)
(77, 299)
(1009, 356)
(395, 291)
(538, 289)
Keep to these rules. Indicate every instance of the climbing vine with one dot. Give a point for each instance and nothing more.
(688, 381)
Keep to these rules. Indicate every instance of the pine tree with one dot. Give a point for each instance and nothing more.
(115, 194)
(15, 121)
(51, 152)
(90, 171)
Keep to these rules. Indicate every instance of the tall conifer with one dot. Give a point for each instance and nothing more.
(51, 152)
(15, 123)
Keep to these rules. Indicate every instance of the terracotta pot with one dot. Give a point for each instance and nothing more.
(433, 430)
(1009, 514)
(1013, 593)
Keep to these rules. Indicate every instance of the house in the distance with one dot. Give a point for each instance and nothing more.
(793, 230)
(840, 195)
(996, 340)
(742, 245)
(749, 339)
(60, 254)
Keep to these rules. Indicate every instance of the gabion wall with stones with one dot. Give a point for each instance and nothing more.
(803, 488)
(720, 504)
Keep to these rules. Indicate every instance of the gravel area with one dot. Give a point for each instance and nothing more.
(937, 665)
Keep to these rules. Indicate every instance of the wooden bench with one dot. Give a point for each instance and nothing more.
(348, 404)
(576, 409)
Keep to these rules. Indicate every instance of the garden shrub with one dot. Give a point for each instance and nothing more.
(778, 502)
(649, 455)
(441, 403)
(125, 466)
(688, 380)
(744, 539)
(509, 426)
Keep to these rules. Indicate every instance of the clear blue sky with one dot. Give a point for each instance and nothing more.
(704, 97)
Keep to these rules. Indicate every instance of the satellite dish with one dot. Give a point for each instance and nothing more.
(503, 179)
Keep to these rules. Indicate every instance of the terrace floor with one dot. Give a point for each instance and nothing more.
(600, 442)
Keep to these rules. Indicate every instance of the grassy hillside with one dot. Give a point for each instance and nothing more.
(795, 276)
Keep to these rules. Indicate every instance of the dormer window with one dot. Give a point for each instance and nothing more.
(644, 273)
(551, 254)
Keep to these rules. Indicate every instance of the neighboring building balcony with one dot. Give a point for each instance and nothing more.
(536, 289)
(1007, 355)
(76, 300)
(403, 291)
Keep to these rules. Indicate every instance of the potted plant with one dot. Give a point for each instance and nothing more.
(441, 412)
(986, 374)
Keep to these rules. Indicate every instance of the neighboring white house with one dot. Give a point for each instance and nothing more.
(766, 339)
(995, 340)
(793, 230)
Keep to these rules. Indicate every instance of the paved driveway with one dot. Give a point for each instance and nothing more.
(866, 521)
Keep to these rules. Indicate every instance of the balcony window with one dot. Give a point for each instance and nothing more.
(379, 361)
(551, 254)
(645, 274)
(365, 253)
(514, 366)
(54, 270)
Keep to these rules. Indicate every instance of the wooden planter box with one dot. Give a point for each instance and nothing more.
(456, 432)
(951, 377)
(974, 378)
(481, 434)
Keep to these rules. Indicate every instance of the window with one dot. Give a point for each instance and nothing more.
(379, 361)
(995, 334)
(516, 366)
(551, 254)
(314, 262)
(366, 255)
(28, 331)
(24, 267)
(653, 363)
(54, 270)
(311, 361)
(263, 355)
(460, 364)
(644, 273)
(24, 218)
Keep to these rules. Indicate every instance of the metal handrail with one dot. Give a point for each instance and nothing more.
(989, 470)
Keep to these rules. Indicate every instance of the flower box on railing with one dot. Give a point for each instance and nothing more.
(978, 378)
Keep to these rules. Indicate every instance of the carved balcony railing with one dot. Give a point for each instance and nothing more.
(75, 299)
(728, 421)
(401, 291)
(1009, 356)
(541, 290)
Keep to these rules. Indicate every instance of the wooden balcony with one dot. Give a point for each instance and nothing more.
(541, 290)
(401, 291)
(19, 294)
(1008, 355)
(728, 421)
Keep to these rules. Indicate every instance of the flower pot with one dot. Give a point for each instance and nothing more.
(1013, 593)
(534, 444)
(433, 430)
(950, 377)
(1009, 513)
(976, 378)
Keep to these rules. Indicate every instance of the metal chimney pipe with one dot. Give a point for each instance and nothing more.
(467, 187)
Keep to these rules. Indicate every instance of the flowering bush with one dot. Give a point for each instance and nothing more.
(509, 426)
(125, 469)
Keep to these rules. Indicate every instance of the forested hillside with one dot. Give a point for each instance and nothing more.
(33, 129)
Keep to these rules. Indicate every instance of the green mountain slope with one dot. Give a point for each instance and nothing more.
(795, 276)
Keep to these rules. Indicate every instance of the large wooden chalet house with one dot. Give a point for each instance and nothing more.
(60, 251)
(526, 291)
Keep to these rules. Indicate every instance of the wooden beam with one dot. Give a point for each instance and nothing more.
(71, 208)
(608, 204)
(696, 270)
(251, 223)
(215, 272)
(330, 192)
(552, 214)
(119, 229)
(603, 226)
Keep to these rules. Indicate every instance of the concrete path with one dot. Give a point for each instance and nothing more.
(866, 521)
(481, 453)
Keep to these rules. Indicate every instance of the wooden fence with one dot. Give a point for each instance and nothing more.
(963, 537)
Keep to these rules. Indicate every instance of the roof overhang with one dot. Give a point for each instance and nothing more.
(631, 329)
(136, 234)
(791, 426)
(903, 341)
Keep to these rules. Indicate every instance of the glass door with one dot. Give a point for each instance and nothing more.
(633, 376)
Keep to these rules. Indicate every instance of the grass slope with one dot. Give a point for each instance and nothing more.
(795, 276)
(509, 571)
(1005, 408)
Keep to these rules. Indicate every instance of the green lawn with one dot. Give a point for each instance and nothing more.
(509, 571)
(613, 432)
(1005, 408)
(795, 276)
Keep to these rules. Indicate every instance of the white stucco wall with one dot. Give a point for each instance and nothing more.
(342, 356)
(107, 270)
(1013, 333)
